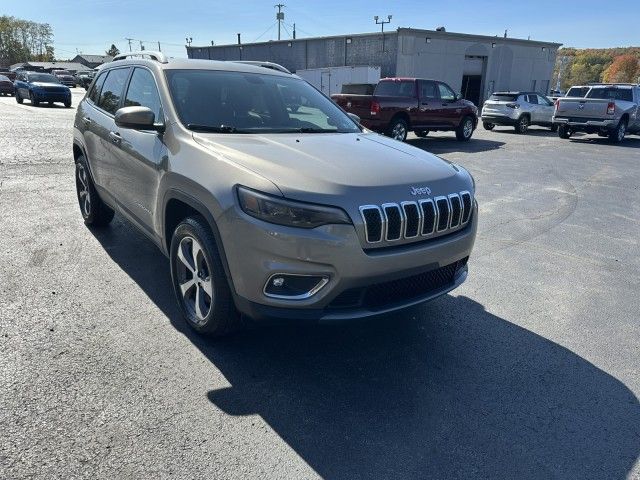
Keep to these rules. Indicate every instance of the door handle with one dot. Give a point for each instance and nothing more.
(115, 137)
(87, 120)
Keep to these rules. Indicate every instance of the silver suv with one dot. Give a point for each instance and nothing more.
(268, 199)
(518, 109)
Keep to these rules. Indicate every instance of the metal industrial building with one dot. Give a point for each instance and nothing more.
(475, 65)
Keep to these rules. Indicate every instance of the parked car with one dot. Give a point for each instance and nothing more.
(517, 109)
(40, 88)
(8, 73)
(261, 210)
(610, 110)
(6, 86)
(84, 78)
(400, 105)
(65, 77)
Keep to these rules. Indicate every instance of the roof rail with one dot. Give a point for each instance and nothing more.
(270, 65)
(157, 56)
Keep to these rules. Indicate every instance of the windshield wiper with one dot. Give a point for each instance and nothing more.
(211, 128)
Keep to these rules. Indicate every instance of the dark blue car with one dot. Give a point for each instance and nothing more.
(40, 88)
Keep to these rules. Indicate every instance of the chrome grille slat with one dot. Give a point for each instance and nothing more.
(393, 222)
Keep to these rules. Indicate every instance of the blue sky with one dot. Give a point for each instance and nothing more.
(92, 25)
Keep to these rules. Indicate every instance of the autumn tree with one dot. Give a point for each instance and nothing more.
(624, 69)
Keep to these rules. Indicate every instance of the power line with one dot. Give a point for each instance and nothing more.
(263, 33)
(285, 29)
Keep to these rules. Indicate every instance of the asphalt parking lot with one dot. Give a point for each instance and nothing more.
(529, 370)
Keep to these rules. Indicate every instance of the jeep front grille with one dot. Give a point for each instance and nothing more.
(391, 222)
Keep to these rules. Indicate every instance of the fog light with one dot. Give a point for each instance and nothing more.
(294, 286)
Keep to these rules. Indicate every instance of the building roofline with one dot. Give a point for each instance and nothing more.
(433, 33)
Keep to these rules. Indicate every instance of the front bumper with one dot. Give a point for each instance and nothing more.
(256, 250)
(42, 96)
(498, 119)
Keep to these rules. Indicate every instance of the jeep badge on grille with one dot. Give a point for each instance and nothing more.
(420, 191)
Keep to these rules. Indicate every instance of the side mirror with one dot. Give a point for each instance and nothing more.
(137, 118)
(354, 117)
(458, 96)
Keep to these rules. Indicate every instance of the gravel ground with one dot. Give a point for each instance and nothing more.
(529, 370)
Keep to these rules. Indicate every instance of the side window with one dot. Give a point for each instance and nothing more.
(533, 99)
(142, 92)
(97, 86)
(112, 90)
(428, 90)
(445, 92)
(544, 101)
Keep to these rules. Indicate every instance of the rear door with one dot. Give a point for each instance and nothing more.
(429, 104)
(139, 153)
(88, 116)
(546, 108)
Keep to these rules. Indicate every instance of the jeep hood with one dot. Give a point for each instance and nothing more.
(365, 167)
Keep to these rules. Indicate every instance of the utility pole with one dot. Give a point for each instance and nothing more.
(382, 22)
(279, 16)
(141, 45)
(294, 31)
(159, 49)
(129, 40)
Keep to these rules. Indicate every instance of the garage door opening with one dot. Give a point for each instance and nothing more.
(472, 75)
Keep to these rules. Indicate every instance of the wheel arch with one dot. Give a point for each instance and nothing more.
(401, 115)
(178, 205)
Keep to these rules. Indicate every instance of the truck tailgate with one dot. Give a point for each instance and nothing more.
(582, 108)
(358, 104)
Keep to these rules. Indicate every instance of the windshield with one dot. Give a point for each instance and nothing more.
(62, 72)
(611, 94)
(238, 102)
(43, 77)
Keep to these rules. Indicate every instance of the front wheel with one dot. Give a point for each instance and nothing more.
(488, 126)
(553, 128)
(398, 129)
(199, 281)
(465, 129)
(564, 132)
(523, 124)
(617, 135)
(67, 104)
(94, 211)
(19, 98)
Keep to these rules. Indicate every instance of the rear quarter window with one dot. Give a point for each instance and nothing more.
(395, 89)
(624, 94)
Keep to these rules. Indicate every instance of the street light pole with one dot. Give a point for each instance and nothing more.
(382, 22)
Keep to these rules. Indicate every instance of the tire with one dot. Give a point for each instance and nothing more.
(553, 128)
(617, 135)
(67, 104)
(19, 98)
(421, 133)
(35, 103)
(196, 269)
(398, 129)
(488, 126)
(564, 132)
(94, 211)
(523, 124)
(465, 129)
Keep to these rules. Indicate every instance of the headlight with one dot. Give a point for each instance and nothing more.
(288, 212)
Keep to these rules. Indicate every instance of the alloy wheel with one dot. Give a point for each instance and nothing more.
(399, 132)
(84, 194)
(621, 132)
(194, 279)
(467, 129)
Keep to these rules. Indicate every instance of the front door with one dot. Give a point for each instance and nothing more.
(429, 104)
(451, 108)
(139, 154)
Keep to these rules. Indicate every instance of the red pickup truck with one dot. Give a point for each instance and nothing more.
(400, 105)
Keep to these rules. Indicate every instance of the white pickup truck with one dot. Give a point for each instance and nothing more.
(610, 110)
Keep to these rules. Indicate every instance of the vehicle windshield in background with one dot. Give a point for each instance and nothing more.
(503, 97)
(238, 102)
(43, 78)
(611, 94)
(62, 72)
(395, 89)
(577, 92)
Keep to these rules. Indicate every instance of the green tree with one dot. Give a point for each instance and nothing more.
(24, 40)
(113, 51)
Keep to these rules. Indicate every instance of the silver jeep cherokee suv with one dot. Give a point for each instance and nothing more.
(268, 199)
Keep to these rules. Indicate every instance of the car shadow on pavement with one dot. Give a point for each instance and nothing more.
(447, 390)
(628, 142)
(447, 145)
